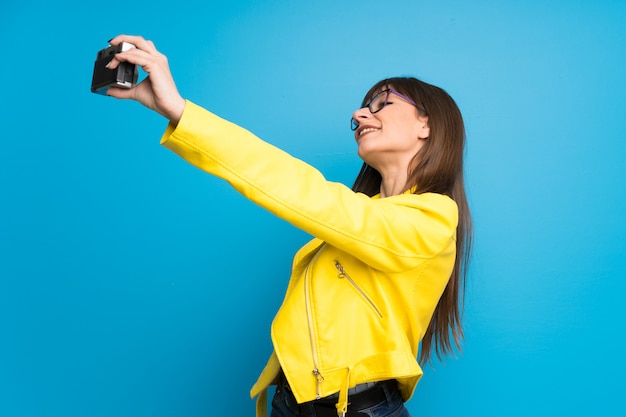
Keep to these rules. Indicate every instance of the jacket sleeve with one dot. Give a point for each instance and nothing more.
(394, 233)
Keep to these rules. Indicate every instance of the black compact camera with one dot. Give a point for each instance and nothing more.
(124, 76)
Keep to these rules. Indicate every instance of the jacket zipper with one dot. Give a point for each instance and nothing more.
(343, 274)
(307, 301)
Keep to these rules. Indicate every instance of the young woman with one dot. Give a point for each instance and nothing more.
(384, 273)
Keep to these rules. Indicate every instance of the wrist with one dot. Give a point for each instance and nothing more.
(175, 112)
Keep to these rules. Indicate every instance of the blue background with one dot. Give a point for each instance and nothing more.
(132, 284)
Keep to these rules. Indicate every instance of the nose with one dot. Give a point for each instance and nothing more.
(361, 115)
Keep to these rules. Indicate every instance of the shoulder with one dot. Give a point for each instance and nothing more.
(433, 203)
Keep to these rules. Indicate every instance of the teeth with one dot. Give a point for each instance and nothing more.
(367, 129)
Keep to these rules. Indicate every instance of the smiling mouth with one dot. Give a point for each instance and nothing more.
(367, 130)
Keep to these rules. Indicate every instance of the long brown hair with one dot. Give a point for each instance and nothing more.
(436, 168)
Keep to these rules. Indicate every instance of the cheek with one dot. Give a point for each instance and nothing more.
(406, 132)
(408, 123)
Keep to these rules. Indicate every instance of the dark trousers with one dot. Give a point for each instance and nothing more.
(391, 405)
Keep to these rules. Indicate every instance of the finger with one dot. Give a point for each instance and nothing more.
(119, 93)
(112, 64)
(138, 41)
(133, 58)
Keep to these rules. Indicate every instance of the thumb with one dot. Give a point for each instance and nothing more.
(122, 93)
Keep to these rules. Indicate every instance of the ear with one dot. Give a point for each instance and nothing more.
(423, 130)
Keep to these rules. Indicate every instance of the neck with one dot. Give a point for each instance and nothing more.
(392, 186)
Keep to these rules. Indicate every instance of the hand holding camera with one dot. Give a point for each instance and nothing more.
(157, 91)
(124, 76)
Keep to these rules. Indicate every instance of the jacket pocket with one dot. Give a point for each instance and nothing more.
(342, 274)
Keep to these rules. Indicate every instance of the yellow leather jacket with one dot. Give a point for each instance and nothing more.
(363, 291)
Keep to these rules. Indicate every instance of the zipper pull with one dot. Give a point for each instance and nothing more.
(341, 272)
(317, 374)
(320, 379)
